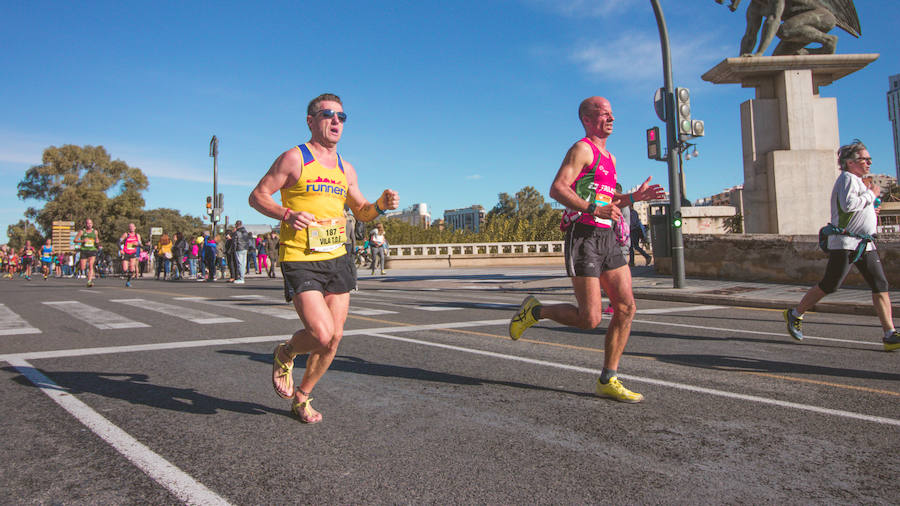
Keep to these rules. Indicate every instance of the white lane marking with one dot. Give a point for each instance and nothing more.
(759, 332)
(384, 332)
(132, 348)
(100, 318)
(185, 313)
(369, 312)
(245, 305)
(652, 381)
(13, 324)
(176, 481)
(680, 309)
(436, 308)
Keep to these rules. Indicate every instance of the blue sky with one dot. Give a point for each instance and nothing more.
(449, 103)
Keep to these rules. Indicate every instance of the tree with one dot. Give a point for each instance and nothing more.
(80, 182)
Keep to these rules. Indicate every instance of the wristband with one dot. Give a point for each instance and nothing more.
(378, 209)
(631, 197)
(591, 208)
(286, 213)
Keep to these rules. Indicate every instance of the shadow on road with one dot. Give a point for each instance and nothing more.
(136, 389)
(357, 365)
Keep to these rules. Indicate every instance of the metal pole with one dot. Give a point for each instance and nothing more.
(673, 154)
(214, 153)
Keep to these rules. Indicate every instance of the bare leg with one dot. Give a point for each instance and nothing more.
(617, 285)
(813, 296)
(882, 303)
(587, 314)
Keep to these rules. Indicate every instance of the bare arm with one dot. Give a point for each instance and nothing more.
(644, 192)
(577, 158)
(362, 209)
(283, 173)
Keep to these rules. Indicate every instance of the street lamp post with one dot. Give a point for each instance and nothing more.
(214, 153)
(674, 160)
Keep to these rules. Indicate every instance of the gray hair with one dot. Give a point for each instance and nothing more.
(848, 152)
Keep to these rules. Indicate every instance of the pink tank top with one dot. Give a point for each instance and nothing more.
(596, 183)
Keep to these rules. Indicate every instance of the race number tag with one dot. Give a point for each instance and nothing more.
(88, 242)
(326, 236)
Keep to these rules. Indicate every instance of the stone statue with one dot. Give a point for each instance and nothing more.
(797, 23)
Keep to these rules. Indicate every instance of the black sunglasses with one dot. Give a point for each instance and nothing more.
(328, 114)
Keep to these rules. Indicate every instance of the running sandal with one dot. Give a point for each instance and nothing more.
(615, 390)
(892, 343)
(305, 412)
(282, 370)
(794, 324)
(90, 284)
(523, 318)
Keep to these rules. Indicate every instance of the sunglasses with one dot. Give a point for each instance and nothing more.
(863, 159)
(328, 114)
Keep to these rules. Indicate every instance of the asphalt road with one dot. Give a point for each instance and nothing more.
(162, 395)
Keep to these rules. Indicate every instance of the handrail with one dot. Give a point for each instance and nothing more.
(532, 248)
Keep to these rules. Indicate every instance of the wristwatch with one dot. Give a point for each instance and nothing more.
(591, 208)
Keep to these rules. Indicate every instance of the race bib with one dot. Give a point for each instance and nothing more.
(326, 236)
(88, 242)
(603, 200)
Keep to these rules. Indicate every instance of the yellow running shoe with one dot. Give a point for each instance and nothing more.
(892, 343)
(523, 318)
(615, 390)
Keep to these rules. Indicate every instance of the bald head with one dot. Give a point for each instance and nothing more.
(591, 106)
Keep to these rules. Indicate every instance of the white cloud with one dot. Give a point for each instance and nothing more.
(591, 8)
(637, 56)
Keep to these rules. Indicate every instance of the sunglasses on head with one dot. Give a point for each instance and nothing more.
(328, 114)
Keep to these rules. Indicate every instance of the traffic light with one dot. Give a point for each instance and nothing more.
(209, 205)
(688, 128)
(653, 144)
(676, 220)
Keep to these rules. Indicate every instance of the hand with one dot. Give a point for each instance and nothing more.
(390, 199)
(610, 212)
(299, 220)
(649, 192)
(874, 188)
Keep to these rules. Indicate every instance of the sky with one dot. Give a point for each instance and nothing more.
(449, 103)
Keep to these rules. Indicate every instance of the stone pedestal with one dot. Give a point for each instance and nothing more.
(790, 137)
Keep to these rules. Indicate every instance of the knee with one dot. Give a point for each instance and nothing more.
(590, 319)
(323, 333)
(625, 309)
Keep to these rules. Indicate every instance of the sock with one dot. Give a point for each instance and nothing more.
(889, 333)
(536, 312)
(606, 375)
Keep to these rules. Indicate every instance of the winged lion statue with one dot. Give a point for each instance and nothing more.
(797, 23)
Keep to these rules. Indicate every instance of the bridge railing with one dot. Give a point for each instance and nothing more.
(540, 248)
(475, 254)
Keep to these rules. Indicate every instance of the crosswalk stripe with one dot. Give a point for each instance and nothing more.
(100, 318)
(244, 305)
(185, 313)
(369, 312)
(436, 308)
(13, 324)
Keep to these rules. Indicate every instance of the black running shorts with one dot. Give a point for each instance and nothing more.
(590, 251)
(869, 265)
(334, 275)
(87, 253)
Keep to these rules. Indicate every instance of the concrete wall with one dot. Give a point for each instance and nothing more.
(766, 257)
(705, 219)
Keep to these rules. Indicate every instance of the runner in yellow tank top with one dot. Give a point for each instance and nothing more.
(315, 185)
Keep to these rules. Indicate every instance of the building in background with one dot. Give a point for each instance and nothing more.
(467, 218)
(893, 100)
(416, 215)
(885, 182)
(733, 197)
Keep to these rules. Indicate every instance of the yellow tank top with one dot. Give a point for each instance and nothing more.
(321, 191)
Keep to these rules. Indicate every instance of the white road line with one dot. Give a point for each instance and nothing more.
(385, 332)
(436, 308)
(760, 333)
(680, 309)
(369, 312)
(100, 318)
(246, 305)
(185, 313)
(13, 324)
(652, 381)
(176, 481)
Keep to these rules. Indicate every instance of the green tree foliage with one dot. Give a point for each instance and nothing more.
(17, 235)
(525, 217)
(80, 182)
(734, 224)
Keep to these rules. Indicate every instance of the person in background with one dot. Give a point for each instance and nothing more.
(272, 244)
(262, 254)
(165, 256)
(378, 241)
(251, 256)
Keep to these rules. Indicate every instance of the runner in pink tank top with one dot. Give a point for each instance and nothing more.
(586, 185)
